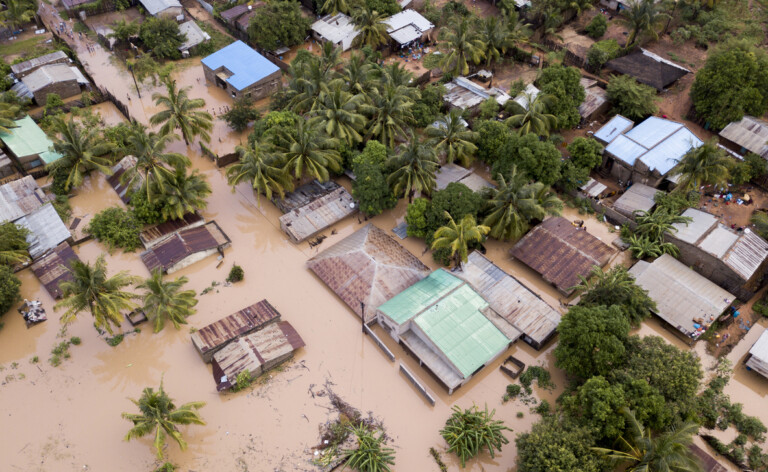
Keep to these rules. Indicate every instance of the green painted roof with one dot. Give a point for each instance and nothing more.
(461, 331)
(419, 296)
(28, 139)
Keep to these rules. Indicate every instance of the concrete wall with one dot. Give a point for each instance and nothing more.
(261, 89)
(67, 89)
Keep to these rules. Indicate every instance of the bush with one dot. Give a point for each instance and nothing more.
(162, 36)
(602, 52)
(429, 108)
(76, 340)
(146, 213)
(116, 228)
(9, 289)
(236, 274)
(241, 114)
(243, 381)
(631, 98)
(564, 85)
(597, 27)
(513, 390)
(470, 431)
(280, 23)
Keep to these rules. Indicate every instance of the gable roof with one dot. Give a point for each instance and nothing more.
(194, 34)
(616, 126)
(638, 197)
(246, 65)
(154, 7)
(27, 139)
(183, 244)
(750, 133)
(463, 93)
(407, 26)
(561, 252)
(368, 266)
(317, 215)
(52, 268)
(46, 230)
(20, 197)
(235, 12)
(338, 28)
(49, 75)
(23, 68)
(648, 68)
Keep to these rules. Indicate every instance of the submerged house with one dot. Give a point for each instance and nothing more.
(241, 71)
(648, 68)
(28, 145)
(446, 325)
(338, 29)
(53, 268)
(121, 187)
(186, 247)
(748, 135)
(46, 230)
(407, 27)
(255, 353)
(645, 153)
(562, 252)
(22, 69)
(194, 34)
(758, 355)
(323, 205)
(687, 301)
(211, 338)
(736, 261)
(366, 269)
(62, 79)
(156, 234)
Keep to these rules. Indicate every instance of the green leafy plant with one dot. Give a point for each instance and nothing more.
(370, 455)
(243, 380)
(116, 228)
(236, 274)
(470, 431)
(597, 27)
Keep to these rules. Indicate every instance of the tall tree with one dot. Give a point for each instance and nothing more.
(153, 165)
(339, 112)
(262, 169)
(183, 193)
(373, 29)
(494, 34)
(309, 152)
(705, 165)
(158, 415)
(616, 287)
(82, 150)
(17, 13)
(643, 18)
(460, 47)
(534, 117)
(91, 290)
(391, 114)
(453, 139)
(166, 301)
(414, 169)
(181, 112)
(308, 80)
(357, 74)
(458, 237)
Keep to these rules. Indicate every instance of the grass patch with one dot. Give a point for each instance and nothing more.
(20, 46)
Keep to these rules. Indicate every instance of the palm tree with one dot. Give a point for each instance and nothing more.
(339, 112)
(308, 80)
(517, 31)
(153, 164)
(82, 149)
(460, 47)
(309, 152)
(705, 165)
(166, 301)
(8, 112)
(182, 112)
(643, 247)
(373, 29)
(332, 7)
(533, 118)
(457, 237)
(370, 455)
(657, 223)
(357, 74)
(91, 290)
(395, 75)
(469, 431)
(415, 169)
(643, 17)
(616, 287)
(17, 13)
(330, 57)
(666, 452)
(452, 137)
(262, 169)
(183, 193)
(512, 206)
(391, 114)
(13, 244)
(494, 34)
(159, 416)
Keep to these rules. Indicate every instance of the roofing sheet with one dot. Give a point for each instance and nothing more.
(304, 195)
(154, 7)
(234, 12)
(638, 197)
(27, 139)
(335, 28)
(46, 230)
(475, 182)
(652, 131)
(408, 17)
(708, 463)
(750, 133)
(561, 252)
(153, 235)
(463, 93)
(664, 156)
(246, 65)
(747, 254)
(317, 215)
(195, 35)
(593, 188)
(522, 98)
(183, 244)
(615, 126)
(23, 68)
(450, 173)
(20, 197)
(419, 296)
(367, 267)
(21, 90)
(406, 34)
(759, 350)
(648, 68)
(718, 241)
(702, 223)
(625, 149)
(680, 293)
(48, 75)
(594, 99)
(444, 370)
(53, 268)
(117, 182)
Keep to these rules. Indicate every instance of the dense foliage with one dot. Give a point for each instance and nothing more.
(601, 52)
(539, 160)
(9, 288)
(116, 228)
(617, 287)
(162, 36)
(279, 23)
(471, 431)
(557, 444)
(241, 114)
(563, 84)
(597, 26)
(630, 98)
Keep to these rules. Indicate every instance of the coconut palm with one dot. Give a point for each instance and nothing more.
(91, 290)
(643, 247)
(517, 31)
(308, 80)
(160, 417)
(458, 237)
(415, 169)
(514, 204)
(534, 116)
(82, 149)
(357, 74)
(339, 112)
(182, 112)
(165, 300)
(391, 114)
(309, 152)
(494, 34)
(8, 112)
(373, 29)
(453, 139)
(644, 452)
(332, 7)
(13, 244)
(705, 165)
(370, 455)
(330, 57)
(183, 193)
(396, 75)
(616, 287)
(262, 169)
(153, 165)
(460, 47)
(643, 17)
(655, 224)
(17, 13)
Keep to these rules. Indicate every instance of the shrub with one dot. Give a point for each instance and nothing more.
(370, 455)
(241, 113)
(513, 390)
(236, 274)
(76, 340)
(597, 27)
(243, 381)
(9, 289)
(602, 52)
(116, 228)
(469, 431)
(631, 98)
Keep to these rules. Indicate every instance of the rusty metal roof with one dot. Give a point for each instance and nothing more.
(708, 463)
(255, 353)
(155, 234)
(219, 333)
(116, 179)
(174, 249)
(19, 198)
(561, 252)
(53, 268)
(317, 215)
(750, 133)
(368, 266)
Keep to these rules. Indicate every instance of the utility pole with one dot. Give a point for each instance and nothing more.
(362, 314)
(130, 68)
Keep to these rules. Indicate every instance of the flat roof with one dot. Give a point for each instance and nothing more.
(28, 139)
(195, 35)
(20, 197)
(246, 65)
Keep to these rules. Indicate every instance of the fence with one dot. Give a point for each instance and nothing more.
(379, 343)
(416, 383)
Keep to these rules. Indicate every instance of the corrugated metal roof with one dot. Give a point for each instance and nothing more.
(195, 35)
(653, 130)
(747, 254)
(246, 65)
(450, 173)
(49, 75)
(510, 298)
(750, 133)
(407, 26)
(625, 149)
(368, 266)
(317, 215)
(463, 93)
(336, 28)
(21, 90)
(154, 7)
(648, 68)
(708, 463)
(664, 156)
(522, 98)
(594, 99)
(155, 234)
(23, 68)
(53, 268)
(702, 223)
(615, 126)
(234, 12)
(561, 252)
(593, 188)
(217, 334)
(638, 197)
(718, 241)
(305, 195)
(27, 139)
(759, 352)
(680, 293)
(46, 230)
(123, 189)
(20, 197)
(175, 249)
(419, 296)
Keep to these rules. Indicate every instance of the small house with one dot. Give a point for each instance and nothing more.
(562, 252)
(70, 5)
(638, 197)
(46, 230)
(366, 269)
(185, 248)
(446, 325)
(61, 79)
(213, 337)
(28, 144)
(53, 268)
(163, 8)
(194, 34)
(240, 15)
(22, 69)
(408, 27)
(595, 100)
(736, 261)
(317, 214)
(758, 355)
(242, 71)
(255, 353)
(529, 92)
(154, 235)
(748, 135)
(648, 68)
(464, 94)
(685, 300)
(338, 29)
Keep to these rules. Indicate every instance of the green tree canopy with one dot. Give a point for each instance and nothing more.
(471, 431)
(453, 139)
(371, 454)
(557, 444)
(385, 7)
(539, 160)
(9, 288)
(241, 114)
(457, 237)
(460, 46)
(83, 150)
(13, 244)
(597, 404)
(166, 301)
(371, 190)
(630, 98)
(490, 137)
(116, 228)
(586, 153)
(178, 111)
(414, 169)
(616, 287)
(563, 84)
(162, 36)
(280, 23)
(708, 164)
(262, 169)
(309, 151)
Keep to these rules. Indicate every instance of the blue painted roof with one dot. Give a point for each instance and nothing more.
(246, 65)
(653, 130)
(667, 153)
(625, 149)
(615, 126)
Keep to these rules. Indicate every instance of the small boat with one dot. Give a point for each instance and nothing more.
(33, 312)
